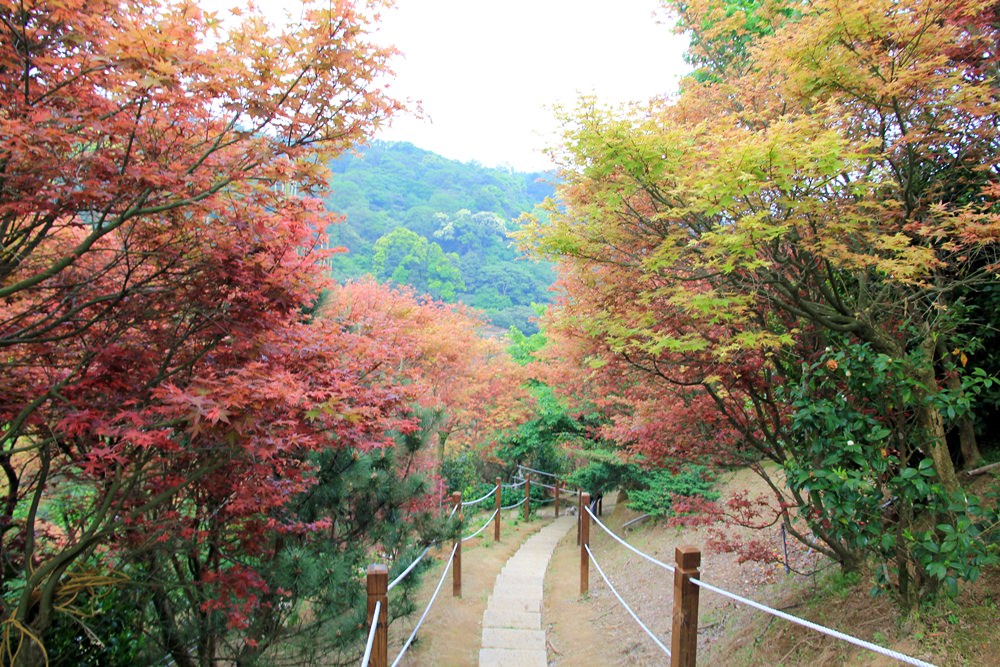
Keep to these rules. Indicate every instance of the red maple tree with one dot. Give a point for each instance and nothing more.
(161, 381)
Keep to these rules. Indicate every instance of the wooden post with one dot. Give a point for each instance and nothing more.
(527, 495)
(558, 482)
(579, 514)
(584, 542)
(496, 517)
(378, 584)
(684, 640)
(456, 566)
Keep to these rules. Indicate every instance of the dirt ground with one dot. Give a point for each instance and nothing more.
(597, 631)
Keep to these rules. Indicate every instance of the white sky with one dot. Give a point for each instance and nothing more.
(488, 72)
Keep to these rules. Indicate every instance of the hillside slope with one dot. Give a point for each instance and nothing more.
(415, 218)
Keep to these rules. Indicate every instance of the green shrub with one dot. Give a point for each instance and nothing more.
(663, 485)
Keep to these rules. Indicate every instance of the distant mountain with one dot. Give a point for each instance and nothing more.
(413, 217)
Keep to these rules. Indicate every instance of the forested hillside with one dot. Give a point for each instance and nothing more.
(415, 218)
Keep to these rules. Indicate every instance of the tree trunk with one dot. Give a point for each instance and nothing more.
(931, 422)
(967, 441)
(966, 430)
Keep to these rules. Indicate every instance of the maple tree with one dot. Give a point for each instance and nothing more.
(164, 393)
(464, 383)
(827, 188)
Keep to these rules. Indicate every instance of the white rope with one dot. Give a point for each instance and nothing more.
(540, 472)
(818, 628)
(485, 525)
(437, 590)
(514, 486)
(543, 485)
(371, 635)
(624, 604)
(517, 504)
(453, 510)
(407, 570)
(625, 544)
(545, 500)
(479, 500)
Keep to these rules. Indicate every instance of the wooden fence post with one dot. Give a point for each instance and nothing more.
(584, 542)
(579, 514)
(456, 566)
(558, 482)
(527, 495)
(684, 639)
(496, 517)
(378, 584)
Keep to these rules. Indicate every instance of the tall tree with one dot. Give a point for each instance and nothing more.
(406, 258)
(464, 382)
(837, 191)
(153, 271)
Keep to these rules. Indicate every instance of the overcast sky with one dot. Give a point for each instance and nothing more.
(488, 71)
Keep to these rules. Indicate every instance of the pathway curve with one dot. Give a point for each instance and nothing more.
(512, 624)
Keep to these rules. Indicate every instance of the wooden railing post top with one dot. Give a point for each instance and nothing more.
(376, 569)
(688, 557)
(456, 497)
(586, 498)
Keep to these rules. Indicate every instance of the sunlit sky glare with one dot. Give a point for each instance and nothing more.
(489, 72)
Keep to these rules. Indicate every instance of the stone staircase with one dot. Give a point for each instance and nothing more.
(512, 624)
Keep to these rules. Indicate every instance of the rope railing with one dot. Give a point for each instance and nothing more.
(481, 529)
(544, 485)
(489, 494)
(517, 504)
(625, 604)
(593, 517)
(540, 472)
(407, 570)
(686, 586)
(691, 575)
(427, 609)
(814, 626)
(371, 636)
(378, 589)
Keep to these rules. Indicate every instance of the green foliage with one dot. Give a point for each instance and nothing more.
(538, 443)
(523, 348)
(722, 32)
(406, 258)
(109, 634)
(456, 216)
(603, 472)
(461, 473)
(660, 486)
(853, 460)
(379, 511)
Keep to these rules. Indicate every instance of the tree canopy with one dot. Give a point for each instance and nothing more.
(187, 452)
(447, 223)
(817, 205)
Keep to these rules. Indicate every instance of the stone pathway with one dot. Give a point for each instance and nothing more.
(512, 625)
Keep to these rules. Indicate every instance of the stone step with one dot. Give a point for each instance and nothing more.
(512, 624)
(514, 638)
(505, 657)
